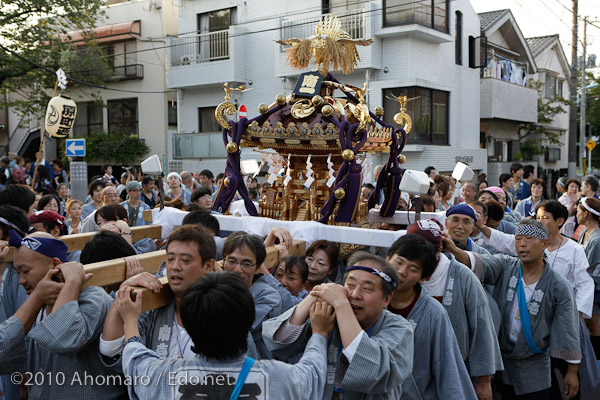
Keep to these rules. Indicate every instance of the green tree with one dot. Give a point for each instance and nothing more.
(120, 147)
(38, 30)
(534, 136)
(593, 105)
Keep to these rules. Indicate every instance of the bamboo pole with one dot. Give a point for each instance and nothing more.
(38, 156)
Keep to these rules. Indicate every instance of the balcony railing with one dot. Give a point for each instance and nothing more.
(201, 48)
(127, 72)
(505, 69)
(429, 13)
(26, 126)
(353, 22)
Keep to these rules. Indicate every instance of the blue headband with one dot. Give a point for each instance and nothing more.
(52, 248)
(374, 271)
(463, 209)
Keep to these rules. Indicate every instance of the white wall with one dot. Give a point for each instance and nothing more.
(411, 62)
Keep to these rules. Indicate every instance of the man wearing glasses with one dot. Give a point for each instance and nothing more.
(243, 254)
(109, 196)
(460, 222)
(190, 255)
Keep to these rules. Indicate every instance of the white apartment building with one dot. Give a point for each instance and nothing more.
(420, 49)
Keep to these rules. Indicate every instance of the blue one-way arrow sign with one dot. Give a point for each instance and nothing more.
(75, 147)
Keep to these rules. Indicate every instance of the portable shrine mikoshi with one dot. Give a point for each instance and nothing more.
(314, 133)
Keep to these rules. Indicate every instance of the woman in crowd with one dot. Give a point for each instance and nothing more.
(569, 199)
(60, 175)
(113, 217)
(110, 212)
(292, 273)
(19, 171)
(321, 258)
(526, 207)
(561, 186)
(588, 214)
(63, 196)
(74, 212)
(42, 181)
(506, 184)
(49, 202)
(95, 193)
(446, 191)
(502, 198)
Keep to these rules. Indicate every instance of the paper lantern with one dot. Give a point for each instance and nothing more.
(60, 116)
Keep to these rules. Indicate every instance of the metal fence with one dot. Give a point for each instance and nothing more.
(133, 71)
(205, 47)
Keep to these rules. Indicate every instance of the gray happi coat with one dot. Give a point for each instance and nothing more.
(467, 305)
(12, 337)
(380, 365)
(198, 377)
(155, 328)
(592, 252)
(439, 371)
(267, 304)
(65, 344)
(12, 296)
(554, 322)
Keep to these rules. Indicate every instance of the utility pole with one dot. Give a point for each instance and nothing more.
(573, 95)
(582, 98)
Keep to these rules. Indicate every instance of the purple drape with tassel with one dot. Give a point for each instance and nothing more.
(390, 176)
(233, 171)
(348, 177)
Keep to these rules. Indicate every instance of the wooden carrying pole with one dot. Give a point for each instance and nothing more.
(151, 300)
(113, 271)
(77, 241)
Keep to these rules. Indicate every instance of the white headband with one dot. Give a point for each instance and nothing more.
(174, 174)
(590, 209)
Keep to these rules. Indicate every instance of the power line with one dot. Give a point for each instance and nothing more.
(563, 6)
(43, 67)
(527, 11)
(154, 49)
(559, 18)
(205, 40)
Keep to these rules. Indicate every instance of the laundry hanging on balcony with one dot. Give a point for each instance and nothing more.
(507, 70)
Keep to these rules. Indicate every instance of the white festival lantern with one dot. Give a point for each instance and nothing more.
(60, 116)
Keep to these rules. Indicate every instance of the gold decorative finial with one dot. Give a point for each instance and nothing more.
(360, 93)
(227, 106)
(330, 45)
(229, 90)
(402, 118)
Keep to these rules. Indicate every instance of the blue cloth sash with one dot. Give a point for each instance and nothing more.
(239, 383)
(524, 313)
